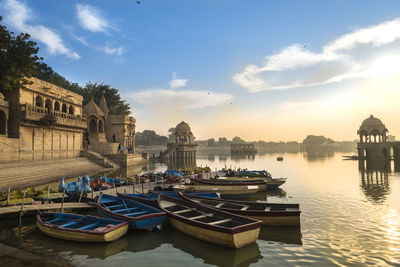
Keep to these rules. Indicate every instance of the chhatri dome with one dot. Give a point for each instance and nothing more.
(182, 129)
(372, 127)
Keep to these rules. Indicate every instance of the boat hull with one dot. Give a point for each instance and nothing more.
(235, 240)
(83, 236)
(262, 186)
(276, 220)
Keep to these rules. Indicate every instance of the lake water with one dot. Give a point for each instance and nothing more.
(349, 217)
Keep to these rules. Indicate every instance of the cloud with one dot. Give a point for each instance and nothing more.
(19, 16)
(90, 18)
(181, 99)
(349, 56)
(117, 51)
(176, 83)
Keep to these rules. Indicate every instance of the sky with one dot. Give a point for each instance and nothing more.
(261, 70)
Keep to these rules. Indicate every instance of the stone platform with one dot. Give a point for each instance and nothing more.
(20, 175)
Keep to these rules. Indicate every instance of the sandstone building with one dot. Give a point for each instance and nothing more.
(40, 121)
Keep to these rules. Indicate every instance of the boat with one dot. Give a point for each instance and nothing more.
(273, 214)
(226, 191)
(209, 224)
(81, 228)
(261, 183)
(139, 215)
(272, 183)
(16, 198)
(74, 188)
(279, 158)
(151, 198)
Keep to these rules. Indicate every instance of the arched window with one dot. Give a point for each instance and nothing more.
(48, 105)
(64, 108)
(100, 126)
(92, 124)
(56, 106)
(71, 110)
(39, 101)
(3, 122)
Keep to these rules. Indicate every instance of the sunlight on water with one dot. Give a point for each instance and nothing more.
(349, 217)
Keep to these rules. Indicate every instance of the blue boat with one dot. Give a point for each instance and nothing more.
(175, 173)
(139, 215)
(74, 188)
(151, 198)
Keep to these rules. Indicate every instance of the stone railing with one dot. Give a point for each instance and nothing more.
(35, 113)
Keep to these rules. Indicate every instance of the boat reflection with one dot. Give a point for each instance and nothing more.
(213, 254)
(286, 235)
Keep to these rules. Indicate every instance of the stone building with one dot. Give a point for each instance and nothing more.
(182, 152)
(106, 132)
(40, 121)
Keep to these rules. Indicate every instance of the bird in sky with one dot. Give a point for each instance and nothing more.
(138, 2)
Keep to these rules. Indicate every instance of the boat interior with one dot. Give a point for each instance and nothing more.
(78, 222)
(126, 208)
(202, 214)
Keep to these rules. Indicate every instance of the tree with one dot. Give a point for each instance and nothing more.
(18, 56)
(211, 142)
(115, 104)
(238, 140)
(317, 140)
(222, 141)
(171, 134)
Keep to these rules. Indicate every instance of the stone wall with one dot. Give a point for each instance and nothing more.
(38, 143)
(126, 160)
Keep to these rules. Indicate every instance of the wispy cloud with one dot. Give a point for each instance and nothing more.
(350, 55)
(92, 19)
(116, 51)
(176, 83)
(181, 99)
(19, 16)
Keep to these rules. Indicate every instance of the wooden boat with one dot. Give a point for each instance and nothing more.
(273, 214)
(226, 191)
(272, 183)
(151, 198)
(279, 158)
(16, 198)
(212, 225)
(82, 228)
(262, 184)
(139, 215)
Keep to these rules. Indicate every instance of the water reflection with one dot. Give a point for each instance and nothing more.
(212, 254)
(287, 235)
(375, 185)
(239, 157)
(318, 155)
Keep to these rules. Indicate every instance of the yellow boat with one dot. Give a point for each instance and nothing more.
(226, 191)
(208, 224)
(80, 228)
(261, 183)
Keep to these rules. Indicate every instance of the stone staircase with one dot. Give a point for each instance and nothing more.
(98, 159)
(166, 153)
(29, 173)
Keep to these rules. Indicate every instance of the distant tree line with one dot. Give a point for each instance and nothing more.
(19, 60)
(150, 138)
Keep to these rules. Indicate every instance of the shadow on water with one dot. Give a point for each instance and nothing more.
(286, 235)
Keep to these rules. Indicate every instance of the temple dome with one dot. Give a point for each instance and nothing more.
(182, 129)
(372, 124)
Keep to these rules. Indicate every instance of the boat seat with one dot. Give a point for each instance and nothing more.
(128, 209)
(220, 222)
(70, 223)
(115, 206)
(219, 205)
(267, 208)
(181, 211)
(135, 214)
(245, 208)
(87, 226)
(167, 204)
(54, 220)
(201, 216)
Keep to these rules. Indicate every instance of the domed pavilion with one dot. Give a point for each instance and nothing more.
(182, 152)
(372, 130)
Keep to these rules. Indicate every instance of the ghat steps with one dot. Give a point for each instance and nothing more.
(25, 174)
